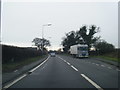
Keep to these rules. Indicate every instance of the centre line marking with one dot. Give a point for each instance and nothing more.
(109, 67)
(93, 83)
(74, 68)
(97, 64)
(68, 63)
(102, 65)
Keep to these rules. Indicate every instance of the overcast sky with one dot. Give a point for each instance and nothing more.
(22, 21)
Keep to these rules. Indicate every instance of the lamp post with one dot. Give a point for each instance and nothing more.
(43, 33)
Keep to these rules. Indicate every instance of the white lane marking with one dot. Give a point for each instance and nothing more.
(103, 65)
(109, 67)
(64, 61)
(93, 83)
(97, 64)
(15, 70)
(15, 81)
(117, 69)
(68, 63)
(74, 68)
(93, 63)
(39, 65)
(7, 86)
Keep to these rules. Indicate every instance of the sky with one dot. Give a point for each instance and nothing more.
(22, 21)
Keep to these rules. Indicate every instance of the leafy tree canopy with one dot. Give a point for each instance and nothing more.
(83, 36)
(41, 43)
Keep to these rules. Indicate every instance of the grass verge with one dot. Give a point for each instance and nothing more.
(109, 58)
(16, 65)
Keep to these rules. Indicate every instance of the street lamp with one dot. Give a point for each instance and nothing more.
(43, 32)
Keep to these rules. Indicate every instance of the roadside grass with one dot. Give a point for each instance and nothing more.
(112, 56)
(8, 67)
(108, 58)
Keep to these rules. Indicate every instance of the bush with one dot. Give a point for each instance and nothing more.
(15, 54)
(104, 47)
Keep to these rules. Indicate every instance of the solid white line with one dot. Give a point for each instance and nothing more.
(93, 83)
(7, 86)
(74, 68)
(39, 65)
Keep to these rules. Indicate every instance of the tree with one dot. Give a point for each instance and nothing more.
(103, 47)
(41, 43)
(84, 36)
(87, 34)
(69, 40)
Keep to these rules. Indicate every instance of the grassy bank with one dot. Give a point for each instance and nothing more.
(8, 67)
(108, 58)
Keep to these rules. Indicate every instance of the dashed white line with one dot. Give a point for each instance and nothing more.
(97, 64)
(15, 70)
(68, 63)
(74, 68)
(103, 65)
(93, 83)
(64, 61)
(117, 69)
(109, 67)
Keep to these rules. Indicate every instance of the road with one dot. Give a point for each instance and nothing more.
(67, 72)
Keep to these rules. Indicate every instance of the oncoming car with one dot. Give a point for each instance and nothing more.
(52, 54)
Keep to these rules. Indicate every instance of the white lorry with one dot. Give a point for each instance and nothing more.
(79, 50)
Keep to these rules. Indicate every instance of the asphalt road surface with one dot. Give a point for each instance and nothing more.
(68, 72)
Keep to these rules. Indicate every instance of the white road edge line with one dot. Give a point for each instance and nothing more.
(74, 68)
(7, 86)
(93, 83)
(39, 65)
